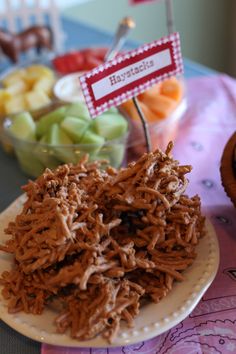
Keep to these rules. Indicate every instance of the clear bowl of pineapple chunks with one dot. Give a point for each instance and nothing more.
(64, 133)
(26, 88)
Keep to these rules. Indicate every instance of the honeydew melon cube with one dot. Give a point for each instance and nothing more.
(113, 153)
(14, 104)
(110, 126)
(45, 139)
(74, 127)
(91, 142)
(60, 141)
(57, 136)
(116, 154)
(50, 118)
(112, 110)
(46, 153)
(23, 126)
(36, 99)
(29, 164)
(78, 109)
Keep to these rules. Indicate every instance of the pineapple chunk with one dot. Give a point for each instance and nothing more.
(4, 96)
(45, 84)
(41, 70)
(13, 77)
(36, 99)
(36, 72)
(2, 110)
(15, 104)
(17, 87)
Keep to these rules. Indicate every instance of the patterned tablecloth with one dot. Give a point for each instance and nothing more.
(211, 327)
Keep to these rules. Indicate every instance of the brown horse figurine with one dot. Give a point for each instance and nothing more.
(33, 37)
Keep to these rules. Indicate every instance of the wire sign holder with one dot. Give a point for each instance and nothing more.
(130, 73)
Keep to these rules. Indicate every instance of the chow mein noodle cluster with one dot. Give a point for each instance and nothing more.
(101, 242)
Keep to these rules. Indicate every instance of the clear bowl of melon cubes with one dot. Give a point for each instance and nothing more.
(64, 133)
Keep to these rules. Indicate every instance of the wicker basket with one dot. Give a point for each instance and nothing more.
(228, 175)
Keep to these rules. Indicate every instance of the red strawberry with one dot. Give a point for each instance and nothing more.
(79, 60)
(100, 53)
(91, 62)
(71, 63)
(59, 64)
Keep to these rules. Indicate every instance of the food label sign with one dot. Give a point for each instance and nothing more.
(131, 73)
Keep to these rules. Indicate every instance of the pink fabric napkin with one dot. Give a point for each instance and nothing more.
(211, 327)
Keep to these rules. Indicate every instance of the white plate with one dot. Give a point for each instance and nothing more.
(153, 319)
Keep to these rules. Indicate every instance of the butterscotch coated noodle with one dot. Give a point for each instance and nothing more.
(98, 242)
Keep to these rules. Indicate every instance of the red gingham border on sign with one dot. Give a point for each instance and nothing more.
(97, 107)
